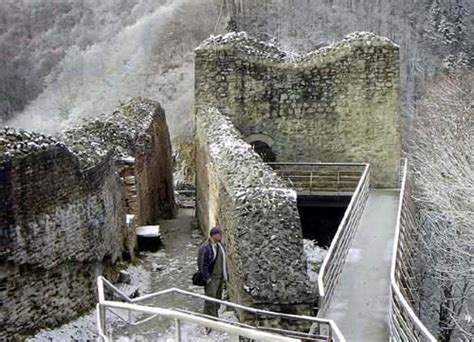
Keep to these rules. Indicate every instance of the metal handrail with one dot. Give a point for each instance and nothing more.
(182, 316)
(309, 178)
(359, 194)
(317, 164)
(334, 331)
(397, 330)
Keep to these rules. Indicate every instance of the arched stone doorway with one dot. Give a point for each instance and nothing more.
(262, 144)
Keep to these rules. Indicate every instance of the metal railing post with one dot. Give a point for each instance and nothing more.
(178, 329)
(130, 324)
(404, 323)
(102, 324)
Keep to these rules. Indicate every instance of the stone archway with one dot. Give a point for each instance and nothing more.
(262, 144)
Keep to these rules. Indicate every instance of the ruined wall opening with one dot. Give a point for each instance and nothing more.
(262, 145)
(128, 177)
(264, 151)
(320, 216)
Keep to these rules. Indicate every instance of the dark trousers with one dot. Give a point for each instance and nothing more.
(214, 290)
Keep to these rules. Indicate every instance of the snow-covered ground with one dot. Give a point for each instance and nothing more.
(314, 256)
(189, 332)
(84, 328)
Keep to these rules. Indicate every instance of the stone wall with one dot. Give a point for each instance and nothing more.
(62, 212)
(136, 130)
(61, 227)
(336, 104)
(154, 173)
(236, 190)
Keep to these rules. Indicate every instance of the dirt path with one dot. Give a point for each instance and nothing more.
(181, 240)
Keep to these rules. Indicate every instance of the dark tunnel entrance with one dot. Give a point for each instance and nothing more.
(320, 216)
(264, 151)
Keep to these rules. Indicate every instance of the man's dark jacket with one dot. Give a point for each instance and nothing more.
(206, 260)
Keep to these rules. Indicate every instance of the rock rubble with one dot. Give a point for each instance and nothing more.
(122, 132)
(19, 142)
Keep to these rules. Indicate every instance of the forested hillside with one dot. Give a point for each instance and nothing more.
(62, 60)
(36, 35)
(77, 58)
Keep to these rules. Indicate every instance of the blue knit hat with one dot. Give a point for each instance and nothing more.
(215, 230)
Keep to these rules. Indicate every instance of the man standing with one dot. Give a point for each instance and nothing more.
(212, 265)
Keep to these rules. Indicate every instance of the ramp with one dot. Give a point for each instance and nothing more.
(360, 304)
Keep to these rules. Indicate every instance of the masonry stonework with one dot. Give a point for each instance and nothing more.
(154, 173)
(336, 104)
(137, 130)
(62, 213)
(264, 241)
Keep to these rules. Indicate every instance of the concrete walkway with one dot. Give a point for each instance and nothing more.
(360, 305)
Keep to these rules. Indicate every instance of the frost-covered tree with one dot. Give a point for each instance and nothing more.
(150, 56)
(450, 33)
(442, 156)
(436, 14)
(36, 35)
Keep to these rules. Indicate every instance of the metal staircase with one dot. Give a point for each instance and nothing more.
(134, 317)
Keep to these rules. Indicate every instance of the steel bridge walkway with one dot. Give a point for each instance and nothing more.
(360, 304)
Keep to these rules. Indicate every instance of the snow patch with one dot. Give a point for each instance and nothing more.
(314, 258)
(84, 328)
(354, 255)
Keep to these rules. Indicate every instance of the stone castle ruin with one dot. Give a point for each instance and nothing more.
(337, 104)
(69, 205)
(63, 210)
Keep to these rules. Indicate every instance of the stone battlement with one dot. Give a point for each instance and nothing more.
(336, 104)
(17, 143)
(250, 47)
(124, 132)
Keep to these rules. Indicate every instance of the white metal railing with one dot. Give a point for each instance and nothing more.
(259, 333)
(310, 178)
(404, 323)
(340, 244)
